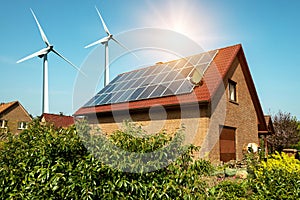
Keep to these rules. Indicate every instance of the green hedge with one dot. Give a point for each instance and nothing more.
(48, 163)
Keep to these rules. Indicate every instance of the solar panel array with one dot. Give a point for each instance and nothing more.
(160, 80)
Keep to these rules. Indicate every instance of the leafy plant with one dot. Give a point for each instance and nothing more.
(230, 190)
(278, 178)
(81, 163)
(48, 163)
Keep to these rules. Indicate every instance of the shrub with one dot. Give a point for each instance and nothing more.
(230, 190)
(47, 163)
(277, 178)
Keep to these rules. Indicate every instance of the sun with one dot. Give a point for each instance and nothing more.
(189, 18)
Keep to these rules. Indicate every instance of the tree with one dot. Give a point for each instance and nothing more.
(286, 131)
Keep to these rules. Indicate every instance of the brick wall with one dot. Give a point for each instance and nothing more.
(14, 115)
(240, 115)
(193, 118)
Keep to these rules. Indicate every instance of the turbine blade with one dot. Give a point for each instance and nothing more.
(97, 42)
(38, 53)
(68, 61)
(119, 43)
(103, 23)
(41, 30)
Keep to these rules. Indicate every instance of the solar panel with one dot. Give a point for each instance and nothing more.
(160, 80)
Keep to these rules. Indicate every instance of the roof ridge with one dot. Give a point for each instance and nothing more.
(57, 114)
(11, 102)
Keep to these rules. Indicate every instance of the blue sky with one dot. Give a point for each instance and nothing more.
(268, 30)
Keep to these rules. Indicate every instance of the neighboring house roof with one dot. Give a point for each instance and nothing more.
(213, 77)
(58, 120)
(269, 123)
(6, 107)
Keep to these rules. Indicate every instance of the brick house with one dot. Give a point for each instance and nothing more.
(13, 117)
(58, 121)
(214, 98)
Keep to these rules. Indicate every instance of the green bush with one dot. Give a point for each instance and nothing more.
(278, 178)
(48, 163)
(230, 190)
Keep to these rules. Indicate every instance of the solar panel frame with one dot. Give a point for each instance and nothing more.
(120, 78)
(159, 90)
(160, 68)
(147, 92)
(116, 96)
(148, 80)
(184, 87)
(147, 72)
(185, 72)
(173, 86)
(115, 79)
(90, 102)
(119, 86)
(180, 63)
(171, 78)
(159, 77)
(137, 92)
(125, 95)
(138, 74)
(106, 99)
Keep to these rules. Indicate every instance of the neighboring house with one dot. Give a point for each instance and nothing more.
(58, 121)
(13, 117)
(212, 94)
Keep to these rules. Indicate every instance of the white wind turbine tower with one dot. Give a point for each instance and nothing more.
(43, 53)
(105, 41)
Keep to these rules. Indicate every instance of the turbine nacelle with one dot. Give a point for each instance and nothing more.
(46, 51)
(106, 39)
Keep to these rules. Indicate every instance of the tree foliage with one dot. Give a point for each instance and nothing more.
(286, 131)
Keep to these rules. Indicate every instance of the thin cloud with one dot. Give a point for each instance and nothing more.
(7, 60)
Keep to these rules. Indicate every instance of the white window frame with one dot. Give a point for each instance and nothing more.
(232, 91)
(22, 125)
(3, 123)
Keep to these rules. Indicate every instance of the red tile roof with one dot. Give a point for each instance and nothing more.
(216, 73)
(212, 79)
(58, 120)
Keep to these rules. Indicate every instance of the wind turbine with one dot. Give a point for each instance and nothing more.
(43, 53)
(105, 41)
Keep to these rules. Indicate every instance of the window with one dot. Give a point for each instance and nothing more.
(22, 125)
(232, 91)
(3, 123)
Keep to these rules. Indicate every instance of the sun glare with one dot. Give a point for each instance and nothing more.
(186, 17)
